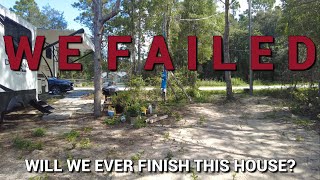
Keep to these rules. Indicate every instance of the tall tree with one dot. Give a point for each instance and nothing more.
(226, 49)
(54, 19)
(48, 18)
(98, 22)
(29, 10)
(94, 14)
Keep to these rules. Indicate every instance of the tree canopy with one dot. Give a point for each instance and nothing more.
(47, 18)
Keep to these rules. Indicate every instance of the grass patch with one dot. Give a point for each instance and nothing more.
(176, 116)
(40, 177)
(235, 82)
(112, 121)
(136, 157)
(299, 138)
(25, 144)
(202, 120)
(72, 135)
(166, 135)
(303, 122)
(39, 132)
(85, 143)
(87, 130)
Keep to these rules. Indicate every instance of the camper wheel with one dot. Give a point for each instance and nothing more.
(56, 90)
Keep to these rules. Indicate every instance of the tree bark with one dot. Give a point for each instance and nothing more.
(133, 35)
(98, 22)
(97, 9)
(139, 42)
(226, 50)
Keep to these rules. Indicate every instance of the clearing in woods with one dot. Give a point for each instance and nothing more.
(249, 128)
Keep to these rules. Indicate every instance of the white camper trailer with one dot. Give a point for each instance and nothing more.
(49, 62)
(17, 88)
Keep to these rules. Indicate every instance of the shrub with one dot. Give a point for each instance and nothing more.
(39, 132)
(123, 99)
(134, 110)
(305, 102)
(139, 122)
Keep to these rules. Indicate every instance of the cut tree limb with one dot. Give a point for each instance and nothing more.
(150, 118)
(158, 119)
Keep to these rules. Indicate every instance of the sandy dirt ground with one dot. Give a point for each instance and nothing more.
(249, 128)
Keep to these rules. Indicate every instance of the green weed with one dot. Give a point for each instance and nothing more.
(25, 144)
(85, 143)
(39, 132)
(72, 135)
(112, 121)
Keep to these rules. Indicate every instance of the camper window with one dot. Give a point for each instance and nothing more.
(11, 28)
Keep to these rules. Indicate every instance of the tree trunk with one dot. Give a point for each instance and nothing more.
(139, 42)
(97, 9)
(133, 35)
(226, 50)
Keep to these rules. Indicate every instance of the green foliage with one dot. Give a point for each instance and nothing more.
(39, 132)
(140, 122)
(85, 143)
(166, 135)
(301, 101)
(25, 144)
(194, 175)
(112, 121)
(123, 98)
(153, 81)
(40, 177)
(177, 116)
(87, 130)
(136, 83)
(54, 19)
(72, 135)
(134, 109)
(48, 18)
(305, 102)
(137, 156)
(202, 120)
(234, 81)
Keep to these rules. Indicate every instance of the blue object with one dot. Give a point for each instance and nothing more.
(110, 113)
(164, 79)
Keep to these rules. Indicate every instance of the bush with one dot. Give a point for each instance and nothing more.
(123, 99)
(134, 110)
(139, 122)
(39, 132)
(153, 81)
(136, 83)
(305, 102)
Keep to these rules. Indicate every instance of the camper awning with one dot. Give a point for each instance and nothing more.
(52, 36)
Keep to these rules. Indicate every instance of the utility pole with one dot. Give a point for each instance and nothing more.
(250, 33)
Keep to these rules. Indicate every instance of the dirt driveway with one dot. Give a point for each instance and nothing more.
(250, 128)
